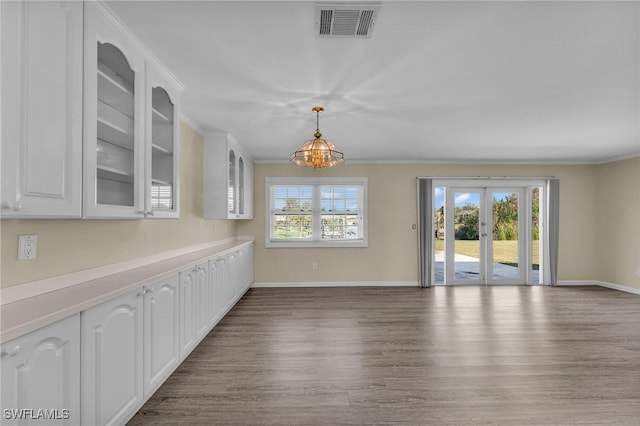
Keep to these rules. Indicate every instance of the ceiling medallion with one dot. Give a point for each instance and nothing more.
(317, 153)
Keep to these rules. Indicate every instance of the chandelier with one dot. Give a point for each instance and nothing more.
(317, 153)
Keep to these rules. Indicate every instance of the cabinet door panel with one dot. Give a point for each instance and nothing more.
(41, 370)
(161, 332)
(162, 134)
(188, 308)
(228, 178)
(248, 189)
(214, 304)
(114, 113)
(112, 345)
(234, 274)
(203, 312)
(41, 111)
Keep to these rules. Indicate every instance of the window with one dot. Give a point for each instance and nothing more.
(316, 212)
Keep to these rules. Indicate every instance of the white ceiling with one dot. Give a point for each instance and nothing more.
(437, 81)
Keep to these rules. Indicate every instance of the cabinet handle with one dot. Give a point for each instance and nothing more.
(148, 290)
(11, 353)
(150, 213)
(12, 206)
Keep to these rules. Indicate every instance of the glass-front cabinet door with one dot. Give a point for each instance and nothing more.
(130, 126)
(161, 199)
(113, 121)
(240, 187)
(228, 178)
(115, 139)
(231, 182)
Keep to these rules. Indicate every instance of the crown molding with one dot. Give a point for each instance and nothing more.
(149, 56)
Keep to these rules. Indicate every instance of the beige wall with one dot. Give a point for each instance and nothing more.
(588, 250)
(392, 253)
(71, 245)
(618, 222)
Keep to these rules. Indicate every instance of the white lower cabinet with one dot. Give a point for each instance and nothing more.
(224, 284)
(247, 268)
(161, 332)
(193, 282)
(41, 376)
(215, 291)
(119, 352)
(203, 310)
(187, 312)
(112, 356)
(236, 274)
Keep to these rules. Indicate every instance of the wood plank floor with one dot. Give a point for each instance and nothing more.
(458, 355)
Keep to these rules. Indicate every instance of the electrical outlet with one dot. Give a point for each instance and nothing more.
(314, 265)
(27, 247)
(638, 272)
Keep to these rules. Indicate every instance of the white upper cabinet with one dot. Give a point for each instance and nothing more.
(114, 96)
(161, 198)
(130, 126)
(41, 109)
(228, 179)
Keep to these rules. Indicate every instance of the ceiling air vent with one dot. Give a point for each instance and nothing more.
(345, 19)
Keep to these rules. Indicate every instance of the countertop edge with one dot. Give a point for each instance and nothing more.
(60, 302)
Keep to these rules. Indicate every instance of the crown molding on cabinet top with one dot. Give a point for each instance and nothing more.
(148, 54)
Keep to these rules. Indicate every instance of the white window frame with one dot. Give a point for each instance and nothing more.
(316, 211)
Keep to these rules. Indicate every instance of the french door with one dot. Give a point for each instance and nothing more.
(487, 234)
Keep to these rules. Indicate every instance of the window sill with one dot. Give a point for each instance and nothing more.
(315, 244)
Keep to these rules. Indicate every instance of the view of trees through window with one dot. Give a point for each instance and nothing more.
(504, 221)
(294, 212)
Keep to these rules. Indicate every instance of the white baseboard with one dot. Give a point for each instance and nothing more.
(566, 283)
(576, 282)
(339, 284)
(619, 287)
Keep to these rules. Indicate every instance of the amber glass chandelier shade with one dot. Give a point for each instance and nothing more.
(317, 152)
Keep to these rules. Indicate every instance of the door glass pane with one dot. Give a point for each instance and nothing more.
(439, 229)
(467, 236)
(505, 236)
(240, 185)
(535, 235)
(115, 128)
(232, 182)
(162, 189)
